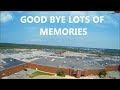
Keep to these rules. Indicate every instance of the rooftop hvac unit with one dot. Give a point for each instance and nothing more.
(82, 57)
(64, 61)
(53, 60)
(77, 59)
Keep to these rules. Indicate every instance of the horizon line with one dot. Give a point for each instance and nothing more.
(55, 45)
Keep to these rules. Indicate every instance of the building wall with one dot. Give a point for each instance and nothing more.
(96, 72)
(47, 68)
(71, 72)
(90, 72)
(119, 68)
(13, 70)
(112, 68)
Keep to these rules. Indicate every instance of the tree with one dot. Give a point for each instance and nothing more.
(60, 73)
(102, 73)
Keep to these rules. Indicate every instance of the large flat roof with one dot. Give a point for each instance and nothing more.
(9, 62)
(109, 62)
(63, 62)
(75, 63)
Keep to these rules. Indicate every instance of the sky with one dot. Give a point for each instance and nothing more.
(105, 35)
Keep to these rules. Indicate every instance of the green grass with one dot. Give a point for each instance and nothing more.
(37, 73)
(61, 75)
(110, 77)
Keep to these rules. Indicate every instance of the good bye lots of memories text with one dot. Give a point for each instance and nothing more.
(62, 20)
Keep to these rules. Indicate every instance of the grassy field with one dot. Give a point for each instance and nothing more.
(36, 73)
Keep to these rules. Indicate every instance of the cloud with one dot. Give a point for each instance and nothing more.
(83, 13)
(108, 18)
(31, 28)
(78, 13)
(20, 11)
(111, 21)
(47, 13)
(5, 17)
(36, 40)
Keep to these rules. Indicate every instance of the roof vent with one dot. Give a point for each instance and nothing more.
(64, 61)
(53, 60)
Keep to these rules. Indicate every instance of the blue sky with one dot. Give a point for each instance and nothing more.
(105, 35)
